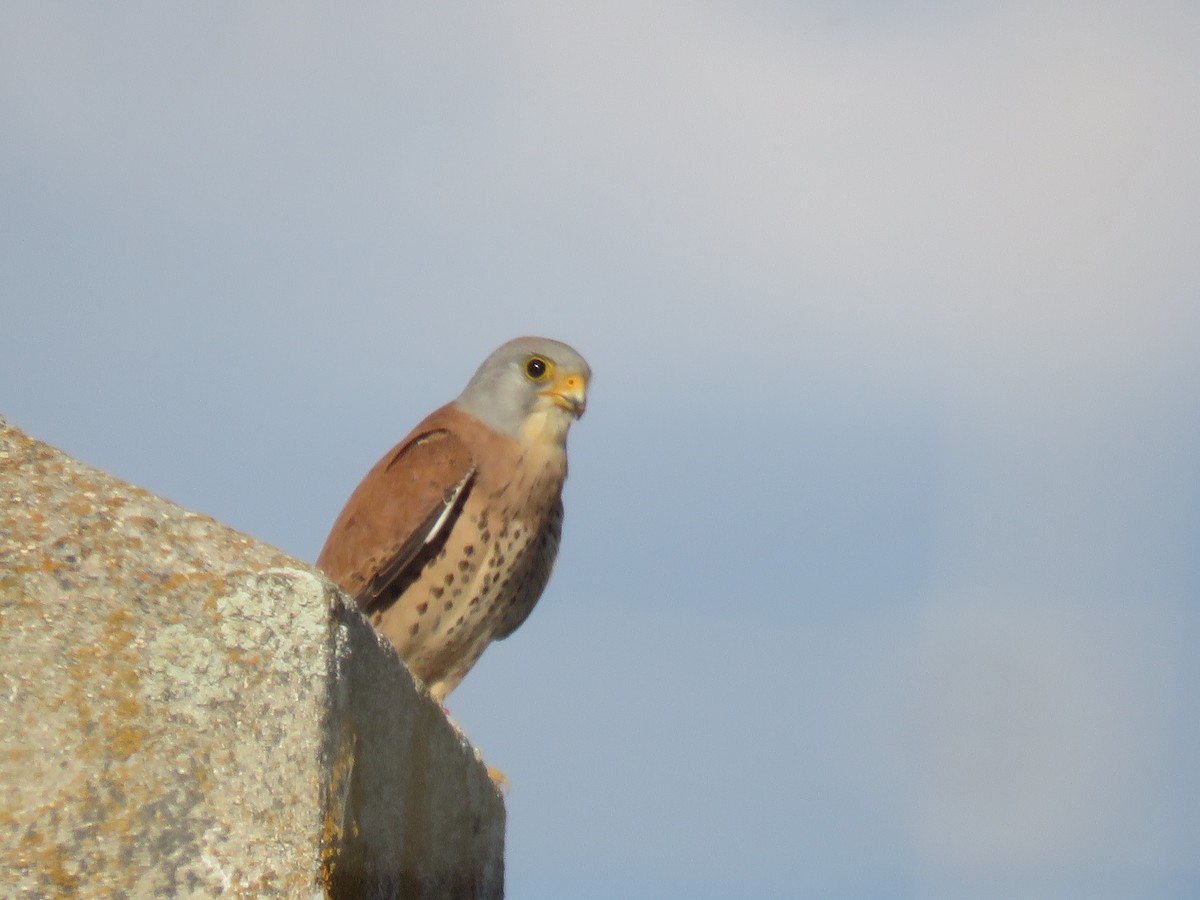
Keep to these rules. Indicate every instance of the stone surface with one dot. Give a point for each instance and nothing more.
(185, 711)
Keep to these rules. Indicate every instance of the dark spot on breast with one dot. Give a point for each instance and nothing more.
(414, 628)
(464, 565)
(421, 607)
(461, 619)
(437, 592)
(449, 579)
(469, 550)
(449, 605)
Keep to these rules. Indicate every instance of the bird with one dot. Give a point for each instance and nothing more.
(449, 540)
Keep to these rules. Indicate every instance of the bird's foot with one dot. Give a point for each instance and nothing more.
(499, 779)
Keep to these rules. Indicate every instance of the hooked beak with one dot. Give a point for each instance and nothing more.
(569, 393)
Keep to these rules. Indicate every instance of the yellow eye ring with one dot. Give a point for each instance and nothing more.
(537, 368)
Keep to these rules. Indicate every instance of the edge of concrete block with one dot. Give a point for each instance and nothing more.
(194, 711)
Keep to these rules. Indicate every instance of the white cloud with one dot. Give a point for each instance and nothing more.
(1010, 176)
(1006, 189)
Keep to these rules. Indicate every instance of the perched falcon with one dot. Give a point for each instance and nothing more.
(449, 540)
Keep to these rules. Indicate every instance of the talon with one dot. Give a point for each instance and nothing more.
(499, 779)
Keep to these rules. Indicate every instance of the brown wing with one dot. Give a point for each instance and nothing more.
(398, 516)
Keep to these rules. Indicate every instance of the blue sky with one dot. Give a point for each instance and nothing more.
(881, 571)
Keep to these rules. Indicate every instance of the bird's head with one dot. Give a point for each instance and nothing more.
(531, 388)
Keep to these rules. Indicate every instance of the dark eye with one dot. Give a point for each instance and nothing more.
(536, 367)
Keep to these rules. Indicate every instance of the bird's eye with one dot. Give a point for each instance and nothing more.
(536, 368)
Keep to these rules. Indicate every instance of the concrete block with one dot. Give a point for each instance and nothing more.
(185, 711)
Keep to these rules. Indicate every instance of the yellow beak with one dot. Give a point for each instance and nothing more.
(569, 392)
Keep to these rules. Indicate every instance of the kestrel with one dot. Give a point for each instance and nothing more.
(449, 540)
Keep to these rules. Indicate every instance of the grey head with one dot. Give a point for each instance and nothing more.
(531, 389)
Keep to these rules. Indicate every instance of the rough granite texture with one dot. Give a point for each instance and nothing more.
(188, 712)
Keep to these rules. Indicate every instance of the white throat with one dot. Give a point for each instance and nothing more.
(547, 423)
